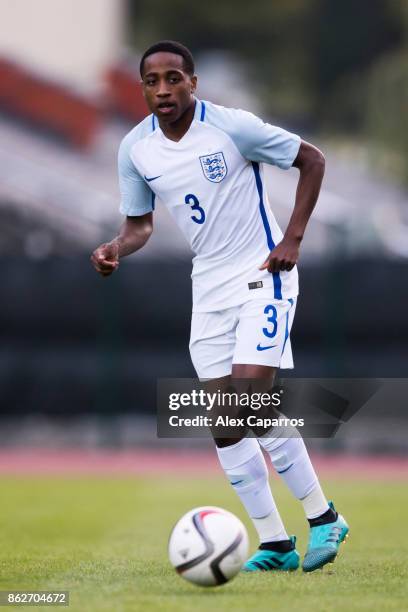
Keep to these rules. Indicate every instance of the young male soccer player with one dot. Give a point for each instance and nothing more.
(203, 162)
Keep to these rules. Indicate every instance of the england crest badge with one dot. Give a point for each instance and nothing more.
(214, 167)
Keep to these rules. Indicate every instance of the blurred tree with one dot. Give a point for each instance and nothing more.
(386, 118)
(337, 64)
(348, 38)
(387, 102)
(270, 37)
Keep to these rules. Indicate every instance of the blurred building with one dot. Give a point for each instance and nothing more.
(71, 43)
(62, 81)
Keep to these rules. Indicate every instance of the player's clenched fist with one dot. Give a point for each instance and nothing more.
(105, 258)
(283, 257)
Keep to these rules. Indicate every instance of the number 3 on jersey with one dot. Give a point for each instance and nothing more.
(192, 201)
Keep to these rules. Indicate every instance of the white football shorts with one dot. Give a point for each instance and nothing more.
(256, 332)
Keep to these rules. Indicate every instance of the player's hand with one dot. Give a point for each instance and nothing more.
(283, 257)
(105, 258)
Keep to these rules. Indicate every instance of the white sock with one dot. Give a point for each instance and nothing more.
(291, 460)
(315, 503)
(245, 467)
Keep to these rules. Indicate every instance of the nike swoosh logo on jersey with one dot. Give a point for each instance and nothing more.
(265, 348)
(237, 482)
(153, 178)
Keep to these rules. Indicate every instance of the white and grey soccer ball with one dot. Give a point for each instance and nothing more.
(208, 546)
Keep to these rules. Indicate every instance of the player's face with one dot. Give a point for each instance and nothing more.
(167, 88)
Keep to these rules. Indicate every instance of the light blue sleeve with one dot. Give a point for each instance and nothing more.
(257, 141)
(136, 197)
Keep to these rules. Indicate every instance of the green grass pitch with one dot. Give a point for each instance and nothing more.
(105, 540)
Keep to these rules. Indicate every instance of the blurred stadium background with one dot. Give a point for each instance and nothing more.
(80, 355)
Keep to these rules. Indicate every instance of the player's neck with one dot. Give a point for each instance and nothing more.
(176, 130)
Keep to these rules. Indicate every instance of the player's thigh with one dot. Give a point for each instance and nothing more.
(212, 342)
(263, 333)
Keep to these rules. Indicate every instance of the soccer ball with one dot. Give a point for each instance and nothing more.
(208, 546)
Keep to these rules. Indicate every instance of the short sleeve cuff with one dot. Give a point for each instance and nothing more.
(291, 154)
(132, 210)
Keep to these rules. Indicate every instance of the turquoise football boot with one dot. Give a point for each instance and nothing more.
(324, 543)
(267, 560)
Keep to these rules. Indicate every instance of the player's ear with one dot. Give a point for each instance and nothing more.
(193, 83)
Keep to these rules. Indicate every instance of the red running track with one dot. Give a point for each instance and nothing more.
(39, 462)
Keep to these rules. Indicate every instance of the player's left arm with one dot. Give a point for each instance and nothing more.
(311, 163)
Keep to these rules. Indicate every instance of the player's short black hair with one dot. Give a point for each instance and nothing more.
(171, 46)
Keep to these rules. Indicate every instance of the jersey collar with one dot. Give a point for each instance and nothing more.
(199, 115)
(199, 111)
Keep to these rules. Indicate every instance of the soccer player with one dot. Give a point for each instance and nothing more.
(203, 161)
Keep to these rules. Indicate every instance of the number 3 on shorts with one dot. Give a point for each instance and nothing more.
(273, 318)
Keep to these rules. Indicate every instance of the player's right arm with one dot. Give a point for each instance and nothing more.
(137, 203)
(133, 235)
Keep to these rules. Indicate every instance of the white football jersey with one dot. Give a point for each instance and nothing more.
(212, 183)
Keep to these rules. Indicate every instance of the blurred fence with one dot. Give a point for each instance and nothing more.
(76, 344)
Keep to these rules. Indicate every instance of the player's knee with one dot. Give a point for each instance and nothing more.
(224, 442)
